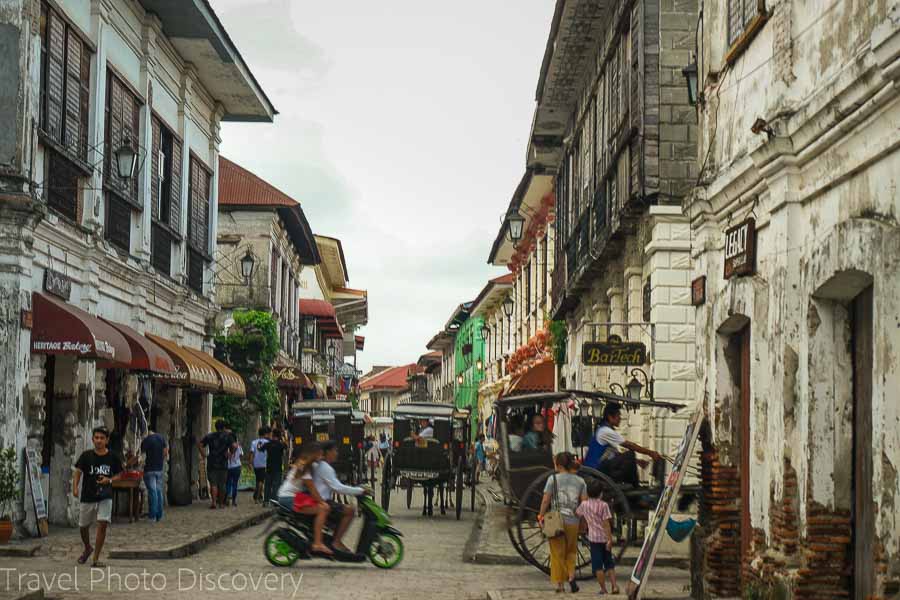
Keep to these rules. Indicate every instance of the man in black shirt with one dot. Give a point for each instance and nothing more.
(220, 444)
(274, 449)
(157, 451)
(95, 471)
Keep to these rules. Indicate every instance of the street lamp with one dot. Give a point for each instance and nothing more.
(635, 387)
(485, 331)
(125, 159)
(508, 306)
(479, 364)
(690, 77)
(516, 223)
(247, 264)
(459, 379)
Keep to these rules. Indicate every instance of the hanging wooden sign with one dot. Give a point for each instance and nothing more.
(698, 291)
(740, 249)
(57, 284)
(613, 353)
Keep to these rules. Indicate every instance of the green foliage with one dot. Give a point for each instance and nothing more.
(9, 482)
(559, 337)
(251, 347)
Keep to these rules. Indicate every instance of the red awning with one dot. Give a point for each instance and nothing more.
(539, 378)
(145, 355)
(324, 313)
(62, 328)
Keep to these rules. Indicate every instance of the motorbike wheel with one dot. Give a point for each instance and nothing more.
(278, 551)
(386, 551)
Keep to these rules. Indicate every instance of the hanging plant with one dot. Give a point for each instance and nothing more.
(559, 337)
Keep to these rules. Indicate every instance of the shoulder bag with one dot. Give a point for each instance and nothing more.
(553, 520)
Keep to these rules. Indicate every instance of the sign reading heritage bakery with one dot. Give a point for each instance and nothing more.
(613, 353)
(57, 284)
(740, 249)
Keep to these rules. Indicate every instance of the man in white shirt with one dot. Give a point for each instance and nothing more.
(327, 484)
(258, 456)
(427, 430)
(610, 453)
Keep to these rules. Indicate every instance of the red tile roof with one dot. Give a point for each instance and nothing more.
(393, 378)
(240, 187)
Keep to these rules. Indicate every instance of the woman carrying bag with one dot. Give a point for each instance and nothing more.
(563, 493)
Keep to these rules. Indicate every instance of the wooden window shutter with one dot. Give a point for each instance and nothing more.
(273, 281)
(198, 226)
(175, 190)
(155, 166)
(72, 138)
(56, 45)
(113, 124)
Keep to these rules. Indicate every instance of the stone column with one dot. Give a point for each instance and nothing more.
(93, 217)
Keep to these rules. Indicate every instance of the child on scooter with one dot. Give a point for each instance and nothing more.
(298, 493)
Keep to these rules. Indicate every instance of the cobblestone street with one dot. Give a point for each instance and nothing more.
(433, 564)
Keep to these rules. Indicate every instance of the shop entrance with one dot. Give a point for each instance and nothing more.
(863, 507)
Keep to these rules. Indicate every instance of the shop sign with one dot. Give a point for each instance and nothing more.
(57, 284)
(740, 249)
(346, 370)
(613, 353)
(698, 291)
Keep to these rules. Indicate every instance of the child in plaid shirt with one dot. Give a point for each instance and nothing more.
(598, 517)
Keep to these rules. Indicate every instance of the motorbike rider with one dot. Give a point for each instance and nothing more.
(297, 493)
(327, 484)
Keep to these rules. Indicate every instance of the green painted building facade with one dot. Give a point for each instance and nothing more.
(469, 356)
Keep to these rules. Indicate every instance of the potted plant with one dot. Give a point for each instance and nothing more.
(9, 491)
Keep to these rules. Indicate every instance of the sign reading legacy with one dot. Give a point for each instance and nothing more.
(740, 249)
(613, 353)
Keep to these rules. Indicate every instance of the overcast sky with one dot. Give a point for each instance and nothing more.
(402, 132)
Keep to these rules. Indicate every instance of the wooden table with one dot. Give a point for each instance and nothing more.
(135, 497)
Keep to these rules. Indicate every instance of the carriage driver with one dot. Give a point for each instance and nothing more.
(426, 431)
(610, 453)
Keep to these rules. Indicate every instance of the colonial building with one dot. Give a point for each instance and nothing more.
(496, 331)
(264, 228)
(613, 126)
(429, 372)
(331, 313)
(381, 393)
(795, 242)
(109, 137)
(445, 386)
(525, 245)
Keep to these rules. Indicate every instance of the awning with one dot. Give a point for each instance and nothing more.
(360, 342)
(230, 382)
(61, 328)
(290, 377)
(145, 355)
(324, 314)
(539, 378)
(189, 371)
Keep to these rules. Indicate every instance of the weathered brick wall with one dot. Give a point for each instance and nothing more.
(720, 517)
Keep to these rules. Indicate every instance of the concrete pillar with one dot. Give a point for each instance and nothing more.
(93, 217)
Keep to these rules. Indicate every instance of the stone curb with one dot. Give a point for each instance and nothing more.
(472, 551)
(36, 595)
(193, 546)
(25, 550)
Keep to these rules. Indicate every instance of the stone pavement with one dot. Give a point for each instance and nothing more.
(184, 530)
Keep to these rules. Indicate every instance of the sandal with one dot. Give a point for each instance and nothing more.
(97, 565)
(85, 555)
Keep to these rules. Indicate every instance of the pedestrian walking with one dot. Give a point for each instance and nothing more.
(258, 459)
(563, 493)
(384, 444)
(220, 443)
(373, 458)
(95, 471)
(234, 474)
(595, 511)
(275, 448)
(156, 450)
(480, 457)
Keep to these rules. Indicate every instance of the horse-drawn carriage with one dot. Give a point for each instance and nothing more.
(431, 450)
(322, 420)
(525, 469)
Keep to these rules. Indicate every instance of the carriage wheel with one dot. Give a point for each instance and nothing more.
(535, 547)
(459, 489)
(409, 493)
(386, 484)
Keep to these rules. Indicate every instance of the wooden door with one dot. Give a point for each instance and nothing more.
(746, 533)
(863, 513)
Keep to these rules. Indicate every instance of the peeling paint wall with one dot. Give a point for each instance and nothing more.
(823, 186)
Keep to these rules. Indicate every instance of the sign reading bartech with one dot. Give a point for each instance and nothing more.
(613, 353)
(740, 249)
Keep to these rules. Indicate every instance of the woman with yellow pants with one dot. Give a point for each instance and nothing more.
(564, 491)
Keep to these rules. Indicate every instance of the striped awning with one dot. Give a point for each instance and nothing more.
(189, 370)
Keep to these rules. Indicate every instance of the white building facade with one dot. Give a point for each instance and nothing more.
(84, 80)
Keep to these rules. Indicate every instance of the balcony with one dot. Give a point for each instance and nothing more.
(313, 364)
(598, 235)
